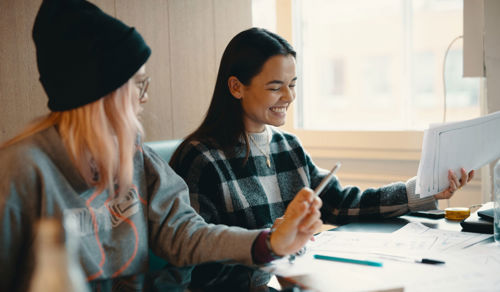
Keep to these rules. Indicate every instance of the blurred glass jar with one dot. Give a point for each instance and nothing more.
(57, 268)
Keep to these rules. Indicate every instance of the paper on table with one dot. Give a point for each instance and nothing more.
(412, 238)
(466, 269)
(469, 144)
(444, 239)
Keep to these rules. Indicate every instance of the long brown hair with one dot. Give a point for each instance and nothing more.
(243, 58)
(99, 137)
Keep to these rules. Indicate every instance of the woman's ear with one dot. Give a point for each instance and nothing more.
(235, 87)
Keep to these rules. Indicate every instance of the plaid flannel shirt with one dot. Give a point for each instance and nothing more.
(253, 195)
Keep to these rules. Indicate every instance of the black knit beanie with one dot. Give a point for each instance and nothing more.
(82, 53)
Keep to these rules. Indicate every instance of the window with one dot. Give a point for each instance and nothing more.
(333, 77)
(367, 65)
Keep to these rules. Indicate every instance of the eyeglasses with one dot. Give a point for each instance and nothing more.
(143, 88)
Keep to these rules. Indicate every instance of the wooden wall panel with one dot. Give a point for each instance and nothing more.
(107, 6)
(152, 22)
(192, 61)
(21, 95)
(231, 17)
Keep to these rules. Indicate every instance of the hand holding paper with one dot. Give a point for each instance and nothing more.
(455, 183)
(468, 144)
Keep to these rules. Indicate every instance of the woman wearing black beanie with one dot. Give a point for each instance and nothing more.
(86, 160)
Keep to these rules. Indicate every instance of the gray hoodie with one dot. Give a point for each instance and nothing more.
(37, 179)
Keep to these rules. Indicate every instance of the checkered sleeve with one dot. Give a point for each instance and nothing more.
(200, 174)
(350, 203)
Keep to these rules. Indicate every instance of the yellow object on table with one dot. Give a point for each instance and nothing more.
(456, 213)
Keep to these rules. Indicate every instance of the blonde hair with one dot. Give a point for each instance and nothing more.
(99, 137)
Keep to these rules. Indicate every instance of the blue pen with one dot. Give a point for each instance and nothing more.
(347, 260)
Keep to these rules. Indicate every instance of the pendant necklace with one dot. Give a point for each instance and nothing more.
(267, 155)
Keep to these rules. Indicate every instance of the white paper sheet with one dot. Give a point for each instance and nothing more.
(467, 268)
(469, 144)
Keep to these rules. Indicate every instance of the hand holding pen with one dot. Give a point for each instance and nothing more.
(301, 220)
(317, 192)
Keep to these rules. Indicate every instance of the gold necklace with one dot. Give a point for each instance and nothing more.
(267, 155)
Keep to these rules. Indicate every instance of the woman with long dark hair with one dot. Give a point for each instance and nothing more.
(243, 171)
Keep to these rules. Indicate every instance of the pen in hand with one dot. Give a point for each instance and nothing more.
(327, 179)
(317, 191)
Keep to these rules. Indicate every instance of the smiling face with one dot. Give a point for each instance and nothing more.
(266, 99)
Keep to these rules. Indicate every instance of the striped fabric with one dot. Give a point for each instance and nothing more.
(252, 195)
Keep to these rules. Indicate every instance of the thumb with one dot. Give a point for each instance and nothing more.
(278, 222)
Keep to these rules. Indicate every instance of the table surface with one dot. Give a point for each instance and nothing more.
(343, 271)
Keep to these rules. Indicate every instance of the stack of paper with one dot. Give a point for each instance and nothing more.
(469, 144)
